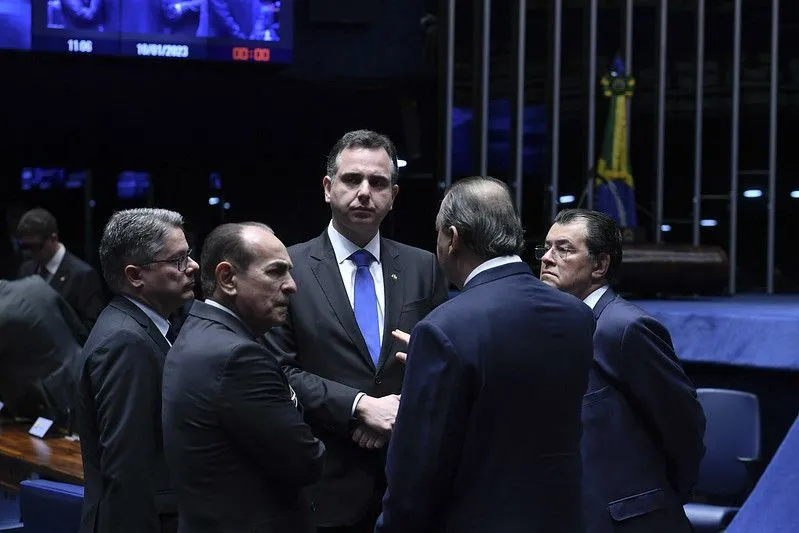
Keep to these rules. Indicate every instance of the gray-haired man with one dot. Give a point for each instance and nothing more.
(146, 263)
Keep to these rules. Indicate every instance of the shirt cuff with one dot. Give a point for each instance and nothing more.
(355, 403)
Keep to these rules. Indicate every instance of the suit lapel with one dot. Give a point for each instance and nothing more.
(393, 296)
(126, 306)
(325, 268)
(603, 302)
(61, 275)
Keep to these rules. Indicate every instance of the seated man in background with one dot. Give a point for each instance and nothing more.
(40, 338)
(643, 427)
(75, 280)
(487, 438)
(236, 445)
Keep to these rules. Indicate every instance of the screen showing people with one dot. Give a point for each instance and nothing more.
(225, 30)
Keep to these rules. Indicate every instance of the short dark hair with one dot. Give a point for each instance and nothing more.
(225, 243)
(603, 236)
(363, 139)
(133, 237)
(37, 222)
(482, 211)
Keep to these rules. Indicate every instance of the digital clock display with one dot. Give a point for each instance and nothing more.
(244, 53)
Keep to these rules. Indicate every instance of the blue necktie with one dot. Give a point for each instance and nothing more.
(366, 303)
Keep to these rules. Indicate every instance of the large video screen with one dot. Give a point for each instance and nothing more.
(222, 30)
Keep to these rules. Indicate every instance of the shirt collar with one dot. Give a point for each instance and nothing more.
(492, 263)
(218, 305)
(55, 262)
(592, 299)
(344, 248)
(160, 322)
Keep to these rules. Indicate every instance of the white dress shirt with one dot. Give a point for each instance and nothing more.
(592, 299)
(160, 322)
(344, 248)
(51, 267)
(492, 263)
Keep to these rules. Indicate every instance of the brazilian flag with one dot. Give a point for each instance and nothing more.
(615, 190)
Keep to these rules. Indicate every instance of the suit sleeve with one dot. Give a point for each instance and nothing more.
(425, 446)
(666, 399)
(326, 401)
(125, 386)
(259, 414)
(91, 298)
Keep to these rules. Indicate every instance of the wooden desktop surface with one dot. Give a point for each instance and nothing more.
(22, 454)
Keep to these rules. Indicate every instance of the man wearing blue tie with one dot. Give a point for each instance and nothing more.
(353, 288)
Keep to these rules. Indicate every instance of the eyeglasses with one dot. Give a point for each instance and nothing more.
(561, 251)
(181, 262)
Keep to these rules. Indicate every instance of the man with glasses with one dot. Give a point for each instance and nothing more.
(146, 262)
(72, 278)
(642, 424)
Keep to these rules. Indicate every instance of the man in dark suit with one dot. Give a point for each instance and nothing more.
(487, 438)
(72, 278)
(146, 263)
(237, 447)
(40, 338)
(354, 288)
(642, 424)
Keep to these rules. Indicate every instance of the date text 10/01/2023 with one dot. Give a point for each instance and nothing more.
(239, 53)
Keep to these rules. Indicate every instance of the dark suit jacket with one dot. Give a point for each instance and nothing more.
(326, 359)
(119, 419)
(40, 338)
(488, 433)
(78, 283)
(642, 426)
(236, 445)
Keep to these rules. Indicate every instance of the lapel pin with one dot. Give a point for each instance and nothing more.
(394, 277)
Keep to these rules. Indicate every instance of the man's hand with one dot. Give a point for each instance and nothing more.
(378, 414)
(367, 438)
(403, 338)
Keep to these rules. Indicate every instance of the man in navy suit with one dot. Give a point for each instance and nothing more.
(487, 438)
(147, 264)
(353, 288)
(237, 448)
(75, 280)
(642, 424)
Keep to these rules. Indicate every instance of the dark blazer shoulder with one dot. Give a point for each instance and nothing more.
(76, 264)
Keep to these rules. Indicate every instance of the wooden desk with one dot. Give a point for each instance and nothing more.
(22, 455)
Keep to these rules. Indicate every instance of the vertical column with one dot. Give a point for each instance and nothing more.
(482, 56)
(736, 100)
(772, 142)
(592, 88)
(556, 62)
(700, 89)
(661, 117)
(517, 117)
(449, 89)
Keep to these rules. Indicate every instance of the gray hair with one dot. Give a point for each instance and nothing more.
(133, 237)
(367, 139)
(482, 211)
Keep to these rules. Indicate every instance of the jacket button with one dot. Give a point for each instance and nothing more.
(378, 381)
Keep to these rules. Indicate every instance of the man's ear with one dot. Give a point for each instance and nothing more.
(226, 278)
(326, 181)
(133, 275)
(455, 242)
(601, 266)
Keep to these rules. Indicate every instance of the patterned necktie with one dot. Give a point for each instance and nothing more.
(365, 305)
